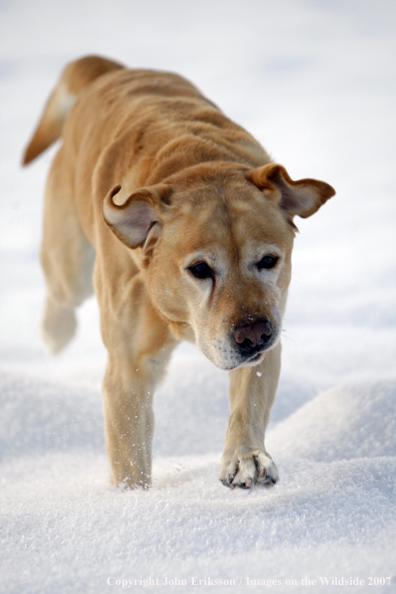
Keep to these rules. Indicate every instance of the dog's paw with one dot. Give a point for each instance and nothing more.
(246, 471)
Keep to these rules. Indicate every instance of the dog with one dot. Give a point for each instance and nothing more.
(178, 220)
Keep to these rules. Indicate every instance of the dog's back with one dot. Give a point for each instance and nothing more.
(155, 111)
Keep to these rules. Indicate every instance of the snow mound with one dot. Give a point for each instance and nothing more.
(355, 421)
(326, 513)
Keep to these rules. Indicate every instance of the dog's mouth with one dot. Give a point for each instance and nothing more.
(248, 362)
(256, 358)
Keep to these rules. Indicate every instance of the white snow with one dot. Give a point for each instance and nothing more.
(314, 81)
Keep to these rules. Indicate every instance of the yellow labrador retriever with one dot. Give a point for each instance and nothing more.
(186, 228)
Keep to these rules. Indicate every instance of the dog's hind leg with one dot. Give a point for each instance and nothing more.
(67, 258)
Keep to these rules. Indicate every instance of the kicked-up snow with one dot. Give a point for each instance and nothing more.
(314, 82)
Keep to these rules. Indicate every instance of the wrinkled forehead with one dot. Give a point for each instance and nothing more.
(236, 224)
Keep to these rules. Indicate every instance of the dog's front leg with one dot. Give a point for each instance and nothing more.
(245, 461)
(139, 346)
(129, 421)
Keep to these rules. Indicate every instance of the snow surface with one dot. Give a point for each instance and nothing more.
(314, 81)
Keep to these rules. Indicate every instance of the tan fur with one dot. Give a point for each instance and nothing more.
(153, 184)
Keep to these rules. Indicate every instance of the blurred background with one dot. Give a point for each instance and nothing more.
(313, 81)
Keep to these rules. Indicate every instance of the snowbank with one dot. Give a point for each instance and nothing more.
(66, 530)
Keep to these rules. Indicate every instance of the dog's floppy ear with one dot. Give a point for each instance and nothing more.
(138, 217)
(303, 197)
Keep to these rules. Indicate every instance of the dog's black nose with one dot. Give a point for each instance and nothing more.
(252, 336)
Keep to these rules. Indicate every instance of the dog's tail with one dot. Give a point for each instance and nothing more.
(75, 78)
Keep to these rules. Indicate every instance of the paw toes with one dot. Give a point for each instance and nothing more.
(226, 483)
(246, 472)
(268, 472)
(248, 484)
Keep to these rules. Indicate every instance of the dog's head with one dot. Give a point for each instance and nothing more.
(215, 243)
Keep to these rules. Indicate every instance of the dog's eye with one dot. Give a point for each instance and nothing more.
(267, 262)
(201, 270)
